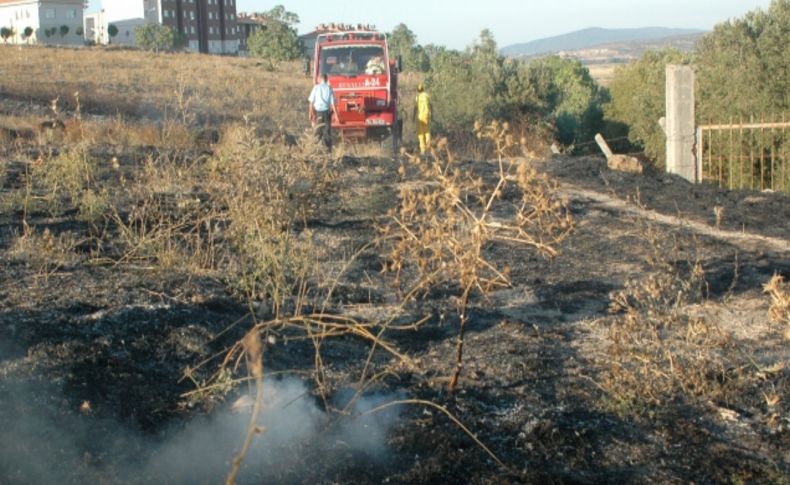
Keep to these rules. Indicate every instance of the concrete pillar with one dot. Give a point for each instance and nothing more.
(680, 123)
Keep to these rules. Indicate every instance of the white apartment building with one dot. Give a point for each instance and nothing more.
(126, 15)
(48, 21)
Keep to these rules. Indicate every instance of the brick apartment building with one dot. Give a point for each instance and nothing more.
(45, 18)
(209, 26)
(249, 24)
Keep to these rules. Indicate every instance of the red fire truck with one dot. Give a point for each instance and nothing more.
(365, 81)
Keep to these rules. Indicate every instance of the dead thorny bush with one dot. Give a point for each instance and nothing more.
(267, 193)
(657, 352)
(677, 277)
(660, 352)
(779, 312)
(449, 219)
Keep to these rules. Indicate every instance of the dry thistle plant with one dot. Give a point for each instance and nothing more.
(779, 311)
(674, 280)
(440, 233)
(658, 352)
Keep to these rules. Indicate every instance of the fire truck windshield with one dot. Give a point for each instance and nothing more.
(352, 60)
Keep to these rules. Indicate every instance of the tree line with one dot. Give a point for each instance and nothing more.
(742, 69)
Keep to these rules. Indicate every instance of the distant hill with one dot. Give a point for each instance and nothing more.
(592, 37)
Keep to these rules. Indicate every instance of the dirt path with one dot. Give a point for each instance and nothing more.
(745, 241)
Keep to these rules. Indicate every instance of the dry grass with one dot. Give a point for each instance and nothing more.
(46, 252)
(130, 83)
(603, 73)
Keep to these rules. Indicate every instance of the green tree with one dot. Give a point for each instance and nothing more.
(568, 94)
(112, 31)
(6, 33)
(457, 100)
(478, 83)
(157, 37)
(742, 69)
(79, 31)
(279, 14)
(401, 41)
(743, 66)
(278, 41)
(28, 33)
(417, 60)
(638, 100)
(403, 44)
(64, 30)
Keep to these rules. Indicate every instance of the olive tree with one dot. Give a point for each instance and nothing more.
(277, 41)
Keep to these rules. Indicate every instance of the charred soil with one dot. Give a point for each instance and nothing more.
(100, 353)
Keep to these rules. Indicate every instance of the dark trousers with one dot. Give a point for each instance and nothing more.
(323, 128)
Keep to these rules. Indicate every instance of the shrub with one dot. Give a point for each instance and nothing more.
(480, 82)
(278, 42)
(158, 37)
(570, 96)
(439, 234)
(6, 33)
(112, 31)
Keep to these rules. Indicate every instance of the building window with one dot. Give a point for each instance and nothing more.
(192, 29)
(71, 14)
(49, 13)
(192, 15)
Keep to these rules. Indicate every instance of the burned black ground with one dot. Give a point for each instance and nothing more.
(118, 338)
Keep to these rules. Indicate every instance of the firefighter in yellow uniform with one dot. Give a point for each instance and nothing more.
(422, 117)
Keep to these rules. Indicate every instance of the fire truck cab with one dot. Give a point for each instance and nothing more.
(365, 81)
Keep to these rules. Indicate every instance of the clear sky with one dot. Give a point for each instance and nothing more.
(457, 23)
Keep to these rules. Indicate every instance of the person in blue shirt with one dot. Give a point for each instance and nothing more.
(322, 105)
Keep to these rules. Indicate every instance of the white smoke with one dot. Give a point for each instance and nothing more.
(44, 446)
